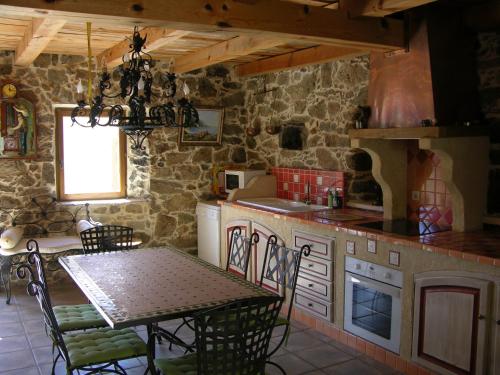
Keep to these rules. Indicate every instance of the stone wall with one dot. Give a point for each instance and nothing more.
(488, 55)
(322, 97)
(163, 181)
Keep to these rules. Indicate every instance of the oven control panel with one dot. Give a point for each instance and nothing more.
(374, 271)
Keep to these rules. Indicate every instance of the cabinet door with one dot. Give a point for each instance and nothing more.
(258, 254)
(495, 357)
(245, 231)
(449, 332)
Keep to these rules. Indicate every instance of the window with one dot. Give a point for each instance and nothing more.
(91, 161)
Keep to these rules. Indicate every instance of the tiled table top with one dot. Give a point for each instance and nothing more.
(150, 285)
(479, 246)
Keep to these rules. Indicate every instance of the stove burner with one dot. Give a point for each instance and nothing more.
(406, 227)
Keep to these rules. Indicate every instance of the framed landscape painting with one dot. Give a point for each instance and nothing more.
(209, 129)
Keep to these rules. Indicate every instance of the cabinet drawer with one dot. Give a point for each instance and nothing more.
(314, 306)
(317, 267)
(321, 247)
(314, 286)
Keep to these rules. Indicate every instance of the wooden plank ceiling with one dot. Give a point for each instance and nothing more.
(256, 36)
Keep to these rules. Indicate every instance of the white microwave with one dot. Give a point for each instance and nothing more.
(239, 179)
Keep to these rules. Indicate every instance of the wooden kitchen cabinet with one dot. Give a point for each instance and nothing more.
(452, 323)
(315, 282)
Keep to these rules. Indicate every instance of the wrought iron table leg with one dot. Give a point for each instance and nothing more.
(5, 265)
(150, 351)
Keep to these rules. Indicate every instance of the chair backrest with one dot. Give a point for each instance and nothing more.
(281, 266)
(240, 248)
(234, 338)
(37, 286)
(103, 238)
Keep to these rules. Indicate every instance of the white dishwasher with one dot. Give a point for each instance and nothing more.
(208, 214)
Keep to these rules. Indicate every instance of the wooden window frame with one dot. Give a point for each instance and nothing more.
(65, 112)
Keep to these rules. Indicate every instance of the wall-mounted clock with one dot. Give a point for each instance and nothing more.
(9, 90)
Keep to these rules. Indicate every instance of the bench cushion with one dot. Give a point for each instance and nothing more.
(47, 245)
(102, 346)
(78, 317)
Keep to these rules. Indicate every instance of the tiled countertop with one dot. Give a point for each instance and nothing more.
(480, 246)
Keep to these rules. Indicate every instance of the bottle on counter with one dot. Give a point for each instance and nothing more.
(337, 199)
(330, 198)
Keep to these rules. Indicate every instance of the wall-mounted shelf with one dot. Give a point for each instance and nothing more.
(417, 133)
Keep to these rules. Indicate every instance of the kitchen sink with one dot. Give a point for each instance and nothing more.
(282, 205)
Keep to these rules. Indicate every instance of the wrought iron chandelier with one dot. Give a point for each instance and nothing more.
(137, 121)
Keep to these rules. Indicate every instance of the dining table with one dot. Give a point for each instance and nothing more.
(150, 285)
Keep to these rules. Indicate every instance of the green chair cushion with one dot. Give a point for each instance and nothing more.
(78, 317)
(102, 346)
(186, 365)
(281, 321)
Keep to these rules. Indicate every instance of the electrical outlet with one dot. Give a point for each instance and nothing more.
(372, 246)
(285, 186)
(296, 196)
(319, 180)
(415, 195)
(296, 178)
(394, 258)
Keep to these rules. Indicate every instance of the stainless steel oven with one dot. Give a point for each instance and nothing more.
(372, 307)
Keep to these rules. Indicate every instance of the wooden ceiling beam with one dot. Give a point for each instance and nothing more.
(224, 51)
(379, 8)
(157, 37)
(37, 36)
(308, 56)
(277, 19)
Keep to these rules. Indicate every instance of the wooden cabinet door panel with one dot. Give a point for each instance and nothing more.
(449, 327)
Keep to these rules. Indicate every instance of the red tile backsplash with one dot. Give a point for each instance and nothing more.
(425, 179)
(293, 182)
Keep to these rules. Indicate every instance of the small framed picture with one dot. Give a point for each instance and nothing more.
(208, 132)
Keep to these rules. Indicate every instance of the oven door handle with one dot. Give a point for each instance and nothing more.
(393, 291)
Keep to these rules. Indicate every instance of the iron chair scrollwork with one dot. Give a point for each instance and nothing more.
(281, 267)
(230, 339)
(95, 351)
(240, 248)
(103, 238)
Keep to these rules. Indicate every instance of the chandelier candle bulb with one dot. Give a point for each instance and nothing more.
(141, 84)
(79, 87)
(186, 89)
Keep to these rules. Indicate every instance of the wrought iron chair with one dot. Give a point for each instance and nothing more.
(230, 339)
(70, 317)
(281, 268)
(103, 238)
(240, 248)
(93, 351)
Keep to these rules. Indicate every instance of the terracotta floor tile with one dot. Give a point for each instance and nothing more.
(16, 360)
(324, 356)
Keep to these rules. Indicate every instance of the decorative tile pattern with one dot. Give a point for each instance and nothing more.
(293, 183)
(481, 246)
(129, 287)
(425, 178)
